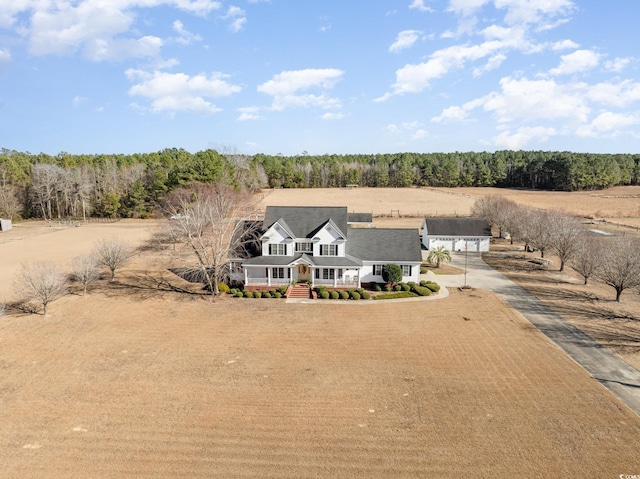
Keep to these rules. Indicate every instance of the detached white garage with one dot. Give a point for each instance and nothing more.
(456, 234)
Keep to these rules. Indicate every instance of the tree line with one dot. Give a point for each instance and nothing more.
(77, 186)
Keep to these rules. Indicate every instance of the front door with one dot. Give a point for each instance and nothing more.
(304, 272)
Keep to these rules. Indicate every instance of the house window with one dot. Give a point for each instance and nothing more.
(377, 269)
(339, 273)
(278, 249)
(280, 273)
(406, 270)
(304, 247)
(329, 250)
(328, 273)
(317, 273)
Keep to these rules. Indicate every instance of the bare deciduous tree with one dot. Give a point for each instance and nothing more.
(41, 282)
(85, 271)
(564, 233)
(112, 253)
(620, 267)
(588, 257)
(212, 227)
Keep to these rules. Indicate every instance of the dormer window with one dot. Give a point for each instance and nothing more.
(304, 247)
(278, 249)
(329, 250)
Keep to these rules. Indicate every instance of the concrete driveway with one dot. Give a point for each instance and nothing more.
(607, 368)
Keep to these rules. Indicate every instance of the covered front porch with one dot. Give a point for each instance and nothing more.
(314, 275)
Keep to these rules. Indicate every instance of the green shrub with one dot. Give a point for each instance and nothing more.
(266, 294)
(238, 294)
(435, 287)
(324, 294)
(355, 295)
(397, 287)
(277, 295)
(233, 291)
(422, 291)
(283, 289)
(344, 295)
(405, 287)
(377, 288)
(320, 289)
(257, 294)
(366, 295)
(334, 294)
(248, 294)
(392, 273)
(272, 292)
(223, 287)
(424, 283)
(401, 294)
(424, 270)
(411, 284)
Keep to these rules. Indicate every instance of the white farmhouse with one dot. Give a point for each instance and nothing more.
(315, 244)
(456, 234)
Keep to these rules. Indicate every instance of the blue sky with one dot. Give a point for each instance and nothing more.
(321, 76)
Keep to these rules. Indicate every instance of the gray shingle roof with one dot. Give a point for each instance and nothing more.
(457, 227)
(359, 218)
(385, 244)
(304, 221)
(337, 261)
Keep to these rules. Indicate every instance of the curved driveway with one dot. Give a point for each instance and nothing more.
(611, 371)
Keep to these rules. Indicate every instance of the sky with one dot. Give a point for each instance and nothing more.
(319, 76)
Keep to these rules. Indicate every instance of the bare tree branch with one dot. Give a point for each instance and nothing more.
(112, 253)
(41, 282)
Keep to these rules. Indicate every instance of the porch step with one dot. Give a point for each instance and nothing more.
(299, 291)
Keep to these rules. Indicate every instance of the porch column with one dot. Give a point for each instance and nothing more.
(358, 278)
(335, 277)
(268, 276)
(312, 271)
(290, 278)
(246, 276)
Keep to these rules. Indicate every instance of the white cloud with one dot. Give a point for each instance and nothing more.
(78, 100)
(618, 64)
(537, 99)
(287, 88)
(185, 37)
(466, 7)
(522, 137)
(237, 17)
(609, 124)
(101, 30)
(405, 39)
(249, 113)
(578, 61)
(534, 11)
(332, 116)
(414, 129)
(494, 63)
(419, 5)
(415, 78)
(565, 45)
(5, 58)
(171, 92)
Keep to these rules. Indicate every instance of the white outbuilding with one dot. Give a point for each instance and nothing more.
(5, 225)
(456, 234)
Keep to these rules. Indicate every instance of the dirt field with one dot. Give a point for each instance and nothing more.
(133, 381)
(36, 241)
(617, 205)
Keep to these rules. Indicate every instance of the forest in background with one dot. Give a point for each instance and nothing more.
(79, 186)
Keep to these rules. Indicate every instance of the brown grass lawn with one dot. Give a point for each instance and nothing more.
(119, 386)
(135, 381)
(592, 307)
